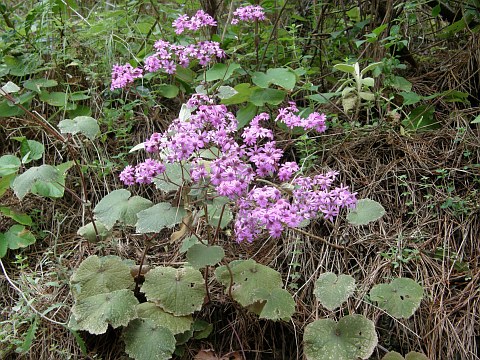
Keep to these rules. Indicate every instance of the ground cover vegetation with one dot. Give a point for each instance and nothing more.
(221, 179)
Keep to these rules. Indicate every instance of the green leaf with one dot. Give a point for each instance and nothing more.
(9, 88)
(56, 188)
(85, 125)
(58, 99)
(323, 98)
(5, 183)
(413, 355)
(146, 340)
(200, 255)
(400, 83)
(168, 91)
(373, 66)
(436, 10)
(88, 232)
(410, 98)
(158, 217)
(244, 91)
(16, 237)
(177, 291)
(20, 218)
(96, 312)
(119, 206)
(474, 121)
(171, 179)
(248, 278)
(400, 299)
(7, 109)
(351, 338)
(37, 84)
(226, 92)
(176, 324)
(215, 211)
(365, 212)
(368, 81)
(260, 97)
(332, 291)
(421, 119)
(24, 182)
(9, 164)
(393, 355)
(276, 304)
(29, 337)
(282, 77)
(31, 150)
(221, 71)
(188, 242)
(97, 275)
(349, 69)
(245, 114)
(366, 95)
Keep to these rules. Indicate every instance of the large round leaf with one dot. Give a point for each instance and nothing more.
(176, 324)
(401, 298)
(200, 255)
(159, 217)
(333, 291)
(351, 338)
(248, 278)
(412, 355)
(94, 313)
(276, 304)
(146, 340)
(100, 275)
(366, 211)
(177, 291)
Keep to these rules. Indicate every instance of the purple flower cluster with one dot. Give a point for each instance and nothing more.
(143, 173)
(248, 13)
(196, 22)
(168, 56)
(122, 75)
(209, 132)
(314, 121)
(268, 209)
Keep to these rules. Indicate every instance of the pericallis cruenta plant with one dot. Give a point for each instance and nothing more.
(217, 174)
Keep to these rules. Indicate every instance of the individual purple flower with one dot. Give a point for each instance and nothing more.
(286, 170)
(122, 75)
(127, 176)
(147, 170)
(248, 13)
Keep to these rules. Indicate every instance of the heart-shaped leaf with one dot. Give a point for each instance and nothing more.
(412, 355)
(97, 275)
(366, 211)
(200, 255)
(351, 338)
(94, 313)
(276, 304)
(401, 298)
(146, 340)
(158, 217)
(177, 291)
(119, 206)
(333, 291)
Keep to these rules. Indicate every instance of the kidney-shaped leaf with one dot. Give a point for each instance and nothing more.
(97, 275)
(177, 291)
(351, 338)
(146, 340)
(200, 255)
(119, 206)
(333, 291)
(412, 355)
(24, 182)
(158, 217)
(94, 313)
(276, 304)
(401, 298)
(85, 125)
(248, 278)
(176, 324)
(366, 211)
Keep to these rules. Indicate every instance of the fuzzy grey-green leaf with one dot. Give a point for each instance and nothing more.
(94, 313)
(200, 255)
(24, 182)
(146, 340)
(158, 217)
(351, 338)
(333, 291)
(85, 125)
(366, 211)
(177, 291)
(176, 324)
(401, 298)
